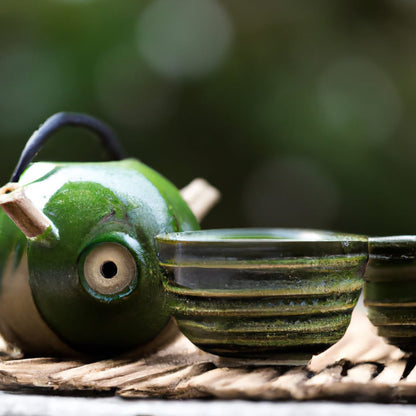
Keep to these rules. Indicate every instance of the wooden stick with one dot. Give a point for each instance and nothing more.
(200, 196)
(22, 211)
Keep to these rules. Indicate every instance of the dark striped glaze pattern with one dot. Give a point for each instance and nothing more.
(275, 293)
(390, 289)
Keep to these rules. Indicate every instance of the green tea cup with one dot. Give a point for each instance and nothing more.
(390, 289)
(281, 294)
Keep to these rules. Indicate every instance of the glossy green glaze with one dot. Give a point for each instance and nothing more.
(390, 289)
(266, 293)
(90, 205)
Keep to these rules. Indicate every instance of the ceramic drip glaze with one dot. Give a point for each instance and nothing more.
(90, 205)
(266, 293)
(390, 289)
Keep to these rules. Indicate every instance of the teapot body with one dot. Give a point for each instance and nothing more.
(91, 283)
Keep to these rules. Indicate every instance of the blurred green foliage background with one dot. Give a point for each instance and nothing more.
(300, 112)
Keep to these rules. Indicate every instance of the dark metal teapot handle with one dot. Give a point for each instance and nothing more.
(59, 120)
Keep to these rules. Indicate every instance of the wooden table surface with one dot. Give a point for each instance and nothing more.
(35, 405)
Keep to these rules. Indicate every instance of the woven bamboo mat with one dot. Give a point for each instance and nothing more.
(361, 367)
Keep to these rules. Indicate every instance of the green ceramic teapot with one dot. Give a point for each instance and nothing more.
(79, 272)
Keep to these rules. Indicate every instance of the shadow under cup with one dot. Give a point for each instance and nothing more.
(281, 294)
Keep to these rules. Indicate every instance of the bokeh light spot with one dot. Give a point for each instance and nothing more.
(290, 192)
(358, 101)
(184, 38)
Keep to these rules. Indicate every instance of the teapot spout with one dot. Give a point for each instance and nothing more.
(28, 218)
(200, 197)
